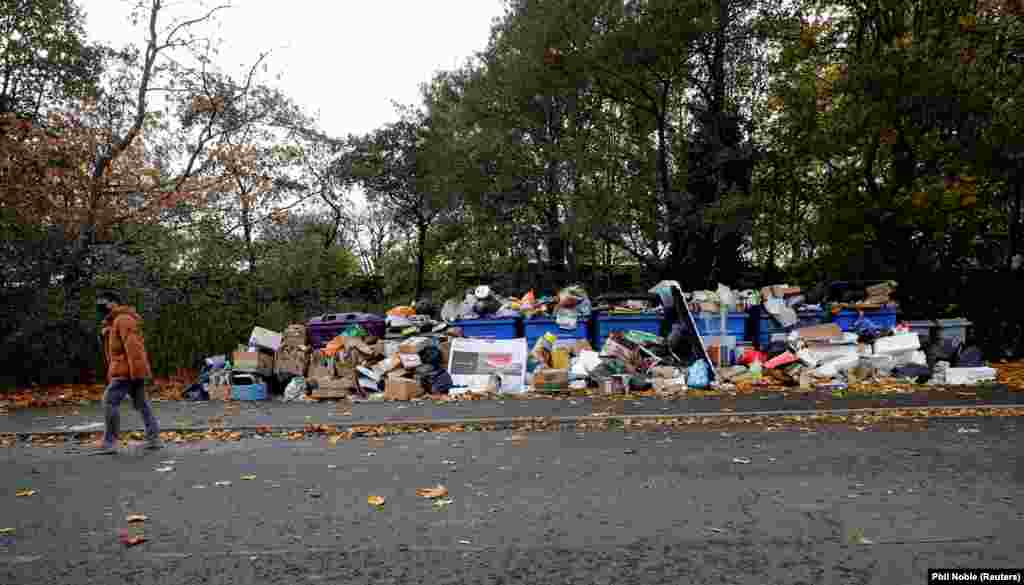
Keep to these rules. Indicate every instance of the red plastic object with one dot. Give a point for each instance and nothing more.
(781, 360)
(750, 356)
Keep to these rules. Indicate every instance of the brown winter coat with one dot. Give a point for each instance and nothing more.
(125, 346)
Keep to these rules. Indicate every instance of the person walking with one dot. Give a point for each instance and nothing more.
(128, 370)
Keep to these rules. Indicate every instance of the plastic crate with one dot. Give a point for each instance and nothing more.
(247, 387)
(762, 326)
(885, 318)
(606, 324)
(948, 329)
(534, 329)
(490, 328)
(321, 330)
(710, 324)
(809, 318)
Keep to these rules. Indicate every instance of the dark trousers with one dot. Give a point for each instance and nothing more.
(117, 391)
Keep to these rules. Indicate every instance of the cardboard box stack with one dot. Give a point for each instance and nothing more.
(292, 358)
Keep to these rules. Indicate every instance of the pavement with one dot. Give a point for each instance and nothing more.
(183, 415)
(754, 507)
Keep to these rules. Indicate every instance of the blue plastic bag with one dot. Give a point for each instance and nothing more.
(867, 328)
(698, 375)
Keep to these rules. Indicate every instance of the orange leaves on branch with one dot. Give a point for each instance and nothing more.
(888, 136)
(202, 104)
(904, 41)
(968, 23)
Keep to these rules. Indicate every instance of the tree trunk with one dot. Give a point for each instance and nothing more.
(421, 257)
(1015, 222)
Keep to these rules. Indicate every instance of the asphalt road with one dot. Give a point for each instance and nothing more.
(182, 414)
(833, 506)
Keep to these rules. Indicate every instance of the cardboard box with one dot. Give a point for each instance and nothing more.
(219, 391)
(320, 366)
(820, 332)
(253, 361)
(295, 335)
(666, 373)
(414, 345)
(265, 338)
(560, 359)
(404, 389)
(581, 346)
(880, 290)
(291, 360)
(551, 379)
(337, 387)
(669, 385)
(612, 386)
(446, 352)
(360, 345)
(410, 360)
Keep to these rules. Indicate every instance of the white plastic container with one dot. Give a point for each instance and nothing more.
(265, 338)
(895, 344)
(969, 376)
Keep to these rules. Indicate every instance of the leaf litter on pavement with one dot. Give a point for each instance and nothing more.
(435, 492)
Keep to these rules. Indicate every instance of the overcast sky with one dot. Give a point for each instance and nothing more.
(346, 59)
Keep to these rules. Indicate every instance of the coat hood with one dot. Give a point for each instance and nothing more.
(120, 310)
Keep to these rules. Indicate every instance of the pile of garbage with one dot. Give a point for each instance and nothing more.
(353, 364)
(479, 303)
(630, 361)
(482, 302)
(823, 356)
(409, 320)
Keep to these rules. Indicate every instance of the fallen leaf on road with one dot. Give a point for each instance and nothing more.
(25, 493)
(442, 503)
(164, 469)
(130, 541)
(248, 477)
(136, 518)
(435, 492)
(740, 460)
(222, 483)
(375, 500)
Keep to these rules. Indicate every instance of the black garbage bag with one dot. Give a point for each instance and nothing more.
(196, 392)
(432, 356)
(487, 306)
(918, 373)
(440, 383)
(969, 357)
